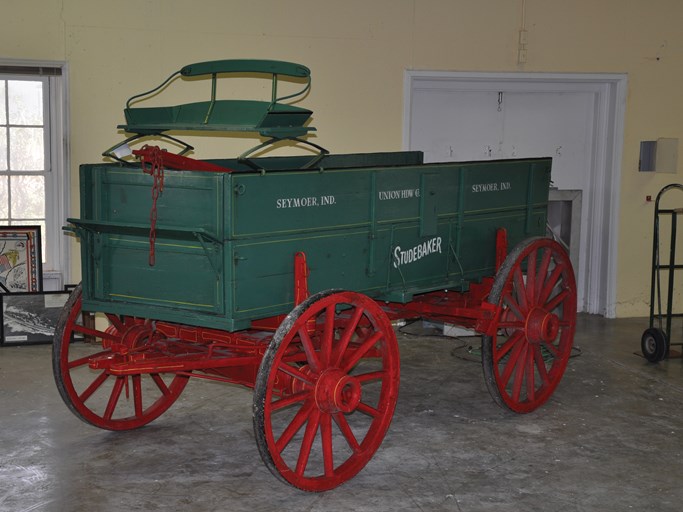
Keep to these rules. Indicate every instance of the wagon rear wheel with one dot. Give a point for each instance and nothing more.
(326, 390)
(95, 395)
(535, 290)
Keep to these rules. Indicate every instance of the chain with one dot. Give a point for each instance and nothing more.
(156, 170)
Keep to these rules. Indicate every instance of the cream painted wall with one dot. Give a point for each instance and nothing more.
(358, 51)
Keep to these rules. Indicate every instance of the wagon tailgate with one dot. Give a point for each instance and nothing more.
(187, 277)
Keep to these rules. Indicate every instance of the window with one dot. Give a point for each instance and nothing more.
(33, 177)
(22, 152)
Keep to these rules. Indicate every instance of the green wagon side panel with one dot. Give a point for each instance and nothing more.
(123, 195)
(281, 203)
(183, 275)
(225, 243)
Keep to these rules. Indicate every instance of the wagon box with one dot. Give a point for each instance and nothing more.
(388, 231)
(283, 274)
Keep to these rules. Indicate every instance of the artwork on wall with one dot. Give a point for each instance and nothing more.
(30, 317)
(20, 259)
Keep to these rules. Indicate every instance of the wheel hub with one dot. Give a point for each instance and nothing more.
(335, 391)
(542, 326)
(134, 337)
(126, 348)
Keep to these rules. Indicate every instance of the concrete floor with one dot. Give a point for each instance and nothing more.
(610, 439)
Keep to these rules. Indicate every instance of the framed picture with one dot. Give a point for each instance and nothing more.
(30, 317)
(20, 259)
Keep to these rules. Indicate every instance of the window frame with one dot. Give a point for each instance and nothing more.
(57, 266)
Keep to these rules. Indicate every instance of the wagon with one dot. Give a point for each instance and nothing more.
(284, 274)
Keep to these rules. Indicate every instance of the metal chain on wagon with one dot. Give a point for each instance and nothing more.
(153, 157)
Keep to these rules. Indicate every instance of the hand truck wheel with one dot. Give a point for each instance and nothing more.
(654, 345)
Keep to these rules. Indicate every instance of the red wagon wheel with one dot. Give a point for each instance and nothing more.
(326, 390)
(536, 293)
(80, 356)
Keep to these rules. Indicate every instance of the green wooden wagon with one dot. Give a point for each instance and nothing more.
(284, 274)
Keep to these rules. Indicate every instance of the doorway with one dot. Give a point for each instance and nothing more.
(575, 118)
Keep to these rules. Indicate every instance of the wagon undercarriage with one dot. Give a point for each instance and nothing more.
(330, 371)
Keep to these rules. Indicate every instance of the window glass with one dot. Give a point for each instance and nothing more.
(26, 149)
(3, 113)
(28, 197)
(4, 209)
(25, 100)
(3, 148)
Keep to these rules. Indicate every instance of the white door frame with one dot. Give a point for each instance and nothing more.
(603, 201)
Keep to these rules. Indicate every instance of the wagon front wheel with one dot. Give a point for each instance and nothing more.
(82, 351)
(326, 390)
(535, 292)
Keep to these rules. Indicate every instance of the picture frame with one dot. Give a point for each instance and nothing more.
(20, 259)
(30, 317)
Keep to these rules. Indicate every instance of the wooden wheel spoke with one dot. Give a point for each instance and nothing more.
(520, 370)
(550, 284)
(530, 286)
(370, 376)
(511, 363)
(540, 365)
(368, 409)
(512, 304)
(294, 426)
(347, 335)
(348, 363)
(511, 324)
(295, 356)
(542, 271)
(116, 322)
(513, 340)
(530, 377)
(309, 349)
(307, 443)
(95, 333)
(326, 440)
(86, 359)
(295, 373)
(557, 300)
(289, 400)
(346, 431)
(160, 384)
(137, 394)
(520, 289)
(328, 336)
(94, 386)
(551, 348)
(114, 397)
